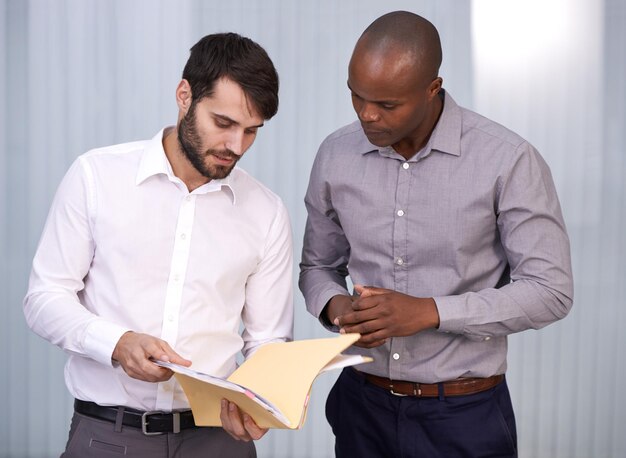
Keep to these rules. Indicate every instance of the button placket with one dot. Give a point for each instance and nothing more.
(400, 227)
(174, 291)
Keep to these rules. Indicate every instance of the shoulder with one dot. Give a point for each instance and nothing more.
(114, 154)
(349, 138)
(343, 146)
(250, 191)
(484, 131)
(495, 147)
(346, 135)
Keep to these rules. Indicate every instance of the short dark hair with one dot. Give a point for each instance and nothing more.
(241, 60)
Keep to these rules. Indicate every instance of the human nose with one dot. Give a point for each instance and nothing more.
(368, 113)
(235, 142)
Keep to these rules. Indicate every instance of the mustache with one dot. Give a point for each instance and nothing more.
(223, 153)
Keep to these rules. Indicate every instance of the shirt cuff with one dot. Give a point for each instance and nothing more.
(100, 340)
(451, 313)
(323, 299)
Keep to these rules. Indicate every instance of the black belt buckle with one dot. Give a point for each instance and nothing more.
(145, 422)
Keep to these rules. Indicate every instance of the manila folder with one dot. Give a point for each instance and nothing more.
(279, 373)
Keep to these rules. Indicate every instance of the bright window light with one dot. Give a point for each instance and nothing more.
(509, 32)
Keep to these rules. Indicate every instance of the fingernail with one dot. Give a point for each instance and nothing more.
(342, 331)
(231, 407)
(336, 322)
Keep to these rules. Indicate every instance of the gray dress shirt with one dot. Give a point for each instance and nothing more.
(472, 220)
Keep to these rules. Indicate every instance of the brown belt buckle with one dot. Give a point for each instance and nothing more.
(417, 391)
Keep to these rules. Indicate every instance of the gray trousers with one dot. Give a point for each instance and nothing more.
(90, 437)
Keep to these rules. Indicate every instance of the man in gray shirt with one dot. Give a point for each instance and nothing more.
(450, 228)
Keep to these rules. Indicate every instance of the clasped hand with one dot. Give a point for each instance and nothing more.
(378, 314)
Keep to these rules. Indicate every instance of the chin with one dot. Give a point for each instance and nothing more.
(376, 141)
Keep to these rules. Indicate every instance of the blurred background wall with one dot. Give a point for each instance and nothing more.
(78, 74)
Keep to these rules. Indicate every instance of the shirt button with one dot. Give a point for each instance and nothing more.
(170, 318)
(400, 213)
(400, 261)
(176, 277)
(487, 338)
(396, 356)
(183, 236)
(188, 198)
(405, 165)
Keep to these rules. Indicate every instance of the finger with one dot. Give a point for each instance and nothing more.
(366, 327)
(366, 291)
(375, 338)
(236, 422)
(148, 371)
(366, 324)
(367, 302)
(172, 356)
(378, 343)
(360, 316)
(137, 365)
(254, 430)
(344, 320)
(350, 318)
(225, 418)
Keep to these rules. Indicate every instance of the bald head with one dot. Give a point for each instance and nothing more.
(393, 77)
(406, 35)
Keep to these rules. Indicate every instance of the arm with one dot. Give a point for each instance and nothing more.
(325, 253)
(52, 307)
(267, 314)
(536, 247)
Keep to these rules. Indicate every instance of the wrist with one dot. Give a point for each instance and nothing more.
(432, 313)
(337, 306)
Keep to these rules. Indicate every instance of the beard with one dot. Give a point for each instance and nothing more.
(190, 143)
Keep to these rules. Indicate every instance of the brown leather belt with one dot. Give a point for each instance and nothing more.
(459, 387)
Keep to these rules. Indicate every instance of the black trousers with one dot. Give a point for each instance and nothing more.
(368, 421)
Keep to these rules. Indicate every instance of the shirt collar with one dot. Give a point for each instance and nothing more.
(446, 136)
(154, 162)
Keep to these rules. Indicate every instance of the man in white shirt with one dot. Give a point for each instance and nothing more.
(162, 249)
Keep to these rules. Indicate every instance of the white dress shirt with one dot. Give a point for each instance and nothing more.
(127, 247)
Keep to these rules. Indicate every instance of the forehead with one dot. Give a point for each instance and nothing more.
(384, 74)
(229, 99)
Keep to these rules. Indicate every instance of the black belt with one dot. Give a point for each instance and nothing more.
(150, 423)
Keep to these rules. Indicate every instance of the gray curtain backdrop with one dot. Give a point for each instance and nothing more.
(78, 74)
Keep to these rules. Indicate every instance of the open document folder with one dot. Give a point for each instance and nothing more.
(272, 386)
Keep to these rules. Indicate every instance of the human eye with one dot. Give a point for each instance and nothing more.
(222, 123)
(387, 106)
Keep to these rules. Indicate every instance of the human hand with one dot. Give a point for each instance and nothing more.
(134, 350)
(337, 306)
(239, 424)
(379, 314)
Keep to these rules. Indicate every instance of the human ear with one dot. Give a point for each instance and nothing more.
(183, 95)
(435, 87)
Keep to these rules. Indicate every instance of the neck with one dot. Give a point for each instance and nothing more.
(409, 146)
(181, 166)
